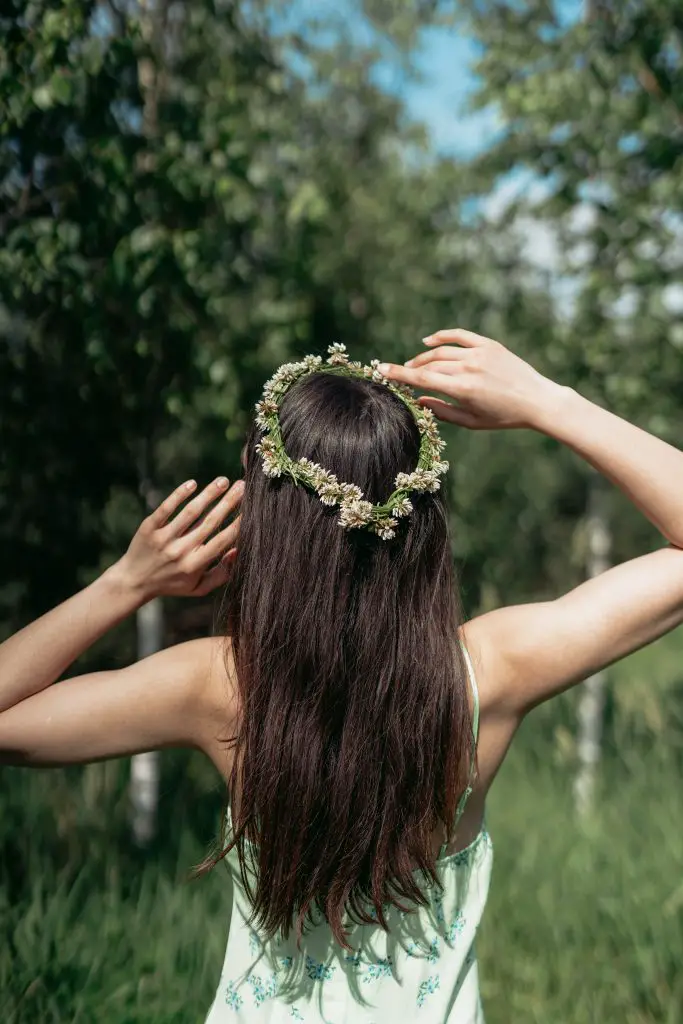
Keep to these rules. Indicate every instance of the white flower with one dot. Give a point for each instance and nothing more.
(403, 507)
(440, 467)
(385, 528)
(405, 481)
(323, 478)
(270, 467)
(355, 513)
(312, 362)
(419, 480)
(265, 408)
(374, 373)
(330, 493)
(266, 446)
(338, 356)
(426, 423)
(351, 492)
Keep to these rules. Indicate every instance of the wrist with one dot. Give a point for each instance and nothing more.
(124, 587)
(554, 408)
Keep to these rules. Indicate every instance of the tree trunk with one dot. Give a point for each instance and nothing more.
(592, 699)
(144, 768)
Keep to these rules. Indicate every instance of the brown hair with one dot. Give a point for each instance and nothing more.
(354, 734)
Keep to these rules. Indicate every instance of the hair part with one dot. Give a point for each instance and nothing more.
(353, 739)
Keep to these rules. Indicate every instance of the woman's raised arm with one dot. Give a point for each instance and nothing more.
(106, 714)
(533, 651)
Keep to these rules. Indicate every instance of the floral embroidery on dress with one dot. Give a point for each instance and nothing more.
(260, 989)
(456, 927)
(438, 908)
(232, 996)
(372, 970)
(354, 960)
(296, 1014)
(432, 954)
(380, 969)
(427, 987)
(462, 856)
(254, 942)
(286, 962)
(318, 971)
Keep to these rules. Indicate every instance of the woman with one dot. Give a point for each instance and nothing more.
(356, 720)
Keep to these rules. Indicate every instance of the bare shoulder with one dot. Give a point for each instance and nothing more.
(211, 675)
(199, 682)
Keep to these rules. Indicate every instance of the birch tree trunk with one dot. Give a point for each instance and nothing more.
(144, 768)
(592, 699)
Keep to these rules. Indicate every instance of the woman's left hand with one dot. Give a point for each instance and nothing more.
(188, 554)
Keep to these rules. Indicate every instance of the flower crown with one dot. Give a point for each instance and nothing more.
(355, 511)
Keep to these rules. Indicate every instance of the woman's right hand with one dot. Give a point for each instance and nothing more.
(493, 388)
(188, 551)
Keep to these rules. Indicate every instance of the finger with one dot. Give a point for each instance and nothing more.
(448, 368)
(468, 339)
(194, 509)
(450, 413)
(218, 514)
(168, 506)
(218, 576)
(444, 353)
(421, 378)
(221, 542)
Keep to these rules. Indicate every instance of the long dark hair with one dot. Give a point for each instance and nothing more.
(354, 731)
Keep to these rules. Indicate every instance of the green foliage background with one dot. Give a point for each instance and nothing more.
(192, 193)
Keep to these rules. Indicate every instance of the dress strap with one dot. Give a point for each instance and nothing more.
(475, 696)
(475, 734)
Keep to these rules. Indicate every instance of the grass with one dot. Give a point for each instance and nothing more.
(584, 924)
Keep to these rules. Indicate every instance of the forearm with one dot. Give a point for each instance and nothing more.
(648, 470)
(36, 656)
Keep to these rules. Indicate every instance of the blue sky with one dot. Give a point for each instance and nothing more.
(440, 100)
(446, 61)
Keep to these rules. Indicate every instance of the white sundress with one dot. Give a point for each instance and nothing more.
(423, 968)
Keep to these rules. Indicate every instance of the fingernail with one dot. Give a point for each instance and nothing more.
(190, 485)
(238, 486)
(384, 368)
(430, 337)
(222, 481)
(408, 362)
